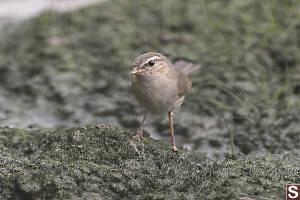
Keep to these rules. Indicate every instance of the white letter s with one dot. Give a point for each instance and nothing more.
(293, 189)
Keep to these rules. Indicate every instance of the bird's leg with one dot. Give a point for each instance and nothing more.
(139, 134)
(170, 114)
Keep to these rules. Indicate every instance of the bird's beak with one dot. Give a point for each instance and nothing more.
(134, 71)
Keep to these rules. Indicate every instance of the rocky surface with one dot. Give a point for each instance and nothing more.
(106, 163)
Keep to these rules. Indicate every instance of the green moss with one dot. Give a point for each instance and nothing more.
(106, 162)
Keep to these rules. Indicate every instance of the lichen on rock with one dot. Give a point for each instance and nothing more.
(104, 162)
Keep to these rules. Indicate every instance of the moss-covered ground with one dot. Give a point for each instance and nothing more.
(62, 70)
(106, 163)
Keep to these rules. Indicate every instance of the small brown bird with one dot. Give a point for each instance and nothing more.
(160, 86)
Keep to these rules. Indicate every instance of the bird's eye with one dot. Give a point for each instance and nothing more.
(151, 63)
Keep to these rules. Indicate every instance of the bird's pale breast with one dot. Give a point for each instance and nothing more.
(156, 93)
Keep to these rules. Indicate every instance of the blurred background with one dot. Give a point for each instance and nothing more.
(66, 63)
(16, 9)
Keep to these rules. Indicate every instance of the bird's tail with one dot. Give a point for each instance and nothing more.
(186, 67)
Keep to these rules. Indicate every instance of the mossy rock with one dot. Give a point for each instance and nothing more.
(107, 163)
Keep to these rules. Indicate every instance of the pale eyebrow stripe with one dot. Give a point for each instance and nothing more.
(151, 58)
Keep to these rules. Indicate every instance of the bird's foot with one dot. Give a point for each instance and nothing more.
(174, 148)
(139, 136)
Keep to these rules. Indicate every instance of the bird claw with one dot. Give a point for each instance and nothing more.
(174, 148)
(139, 136)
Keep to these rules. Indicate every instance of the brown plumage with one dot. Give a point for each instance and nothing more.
(160, 86)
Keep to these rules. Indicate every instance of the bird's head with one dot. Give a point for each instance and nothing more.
(149, 63)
